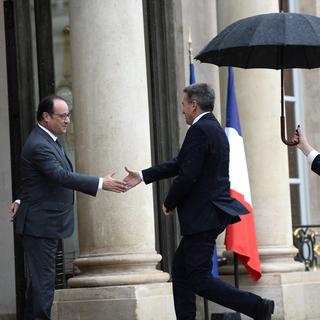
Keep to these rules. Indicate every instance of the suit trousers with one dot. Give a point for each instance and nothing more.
(192, 274)
(40, 255)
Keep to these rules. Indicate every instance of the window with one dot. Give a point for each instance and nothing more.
(299, 204)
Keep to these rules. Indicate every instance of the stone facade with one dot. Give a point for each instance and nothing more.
(119, 265)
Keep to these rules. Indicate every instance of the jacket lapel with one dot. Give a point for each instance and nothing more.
(65, 162)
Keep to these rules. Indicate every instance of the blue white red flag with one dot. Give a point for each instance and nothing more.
(240, 237)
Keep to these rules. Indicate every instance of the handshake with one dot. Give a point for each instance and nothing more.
(131, 180)
(108, 183)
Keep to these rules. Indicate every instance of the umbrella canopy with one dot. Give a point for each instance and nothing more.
(272, 41)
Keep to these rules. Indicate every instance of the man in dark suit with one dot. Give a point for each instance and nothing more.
(312, 155)
(200, 193)
(44, 212)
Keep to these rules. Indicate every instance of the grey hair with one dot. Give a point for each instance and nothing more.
(203, 94)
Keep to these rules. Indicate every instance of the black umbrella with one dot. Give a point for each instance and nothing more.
(273, 41)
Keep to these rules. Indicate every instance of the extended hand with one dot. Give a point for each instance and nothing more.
(166, 211)
(13, 210)
(132, 179)
(113, 185)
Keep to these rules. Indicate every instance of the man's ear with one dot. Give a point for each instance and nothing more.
(45, 116)
(194, 105)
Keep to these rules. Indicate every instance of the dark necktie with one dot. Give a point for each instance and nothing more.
(62, 150)
(60, 146)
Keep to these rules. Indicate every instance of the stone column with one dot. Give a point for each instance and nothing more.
(111, 117)
(116, 231)
(258, 95)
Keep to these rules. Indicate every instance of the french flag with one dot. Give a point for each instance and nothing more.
(240, 237)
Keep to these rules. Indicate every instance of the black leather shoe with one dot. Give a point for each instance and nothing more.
(265, 310)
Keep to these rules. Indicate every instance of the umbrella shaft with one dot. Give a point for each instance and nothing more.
(282, 95)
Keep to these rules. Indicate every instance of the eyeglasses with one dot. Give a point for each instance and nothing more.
(63, 116)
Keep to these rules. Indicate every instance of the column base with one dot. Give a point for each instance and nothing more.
(139, 302)
(272, 260)
(115, 270)
(296, 294)
(101, 280)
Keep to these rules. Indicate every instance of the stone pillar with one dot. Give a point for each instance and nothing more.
(258, 95)
(116, 231)
(111, 117)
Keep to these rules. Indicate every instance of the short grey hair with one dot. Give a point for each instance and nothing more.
(203, 94)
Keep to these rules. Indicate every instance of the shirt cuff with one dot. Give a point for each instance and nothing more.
(18, 201)
(100, 184)
(311, 156)
(141, 175)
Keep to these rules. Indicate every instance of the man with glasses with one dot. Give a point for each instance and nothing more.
(44, 212)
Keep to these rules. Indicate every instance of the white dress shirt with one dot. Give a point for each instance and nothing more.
(196, 119)
(311, 155)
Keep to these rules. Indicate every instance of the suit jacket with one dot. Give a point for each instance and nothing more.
(201, 188)
(315, 166)
(48, 184)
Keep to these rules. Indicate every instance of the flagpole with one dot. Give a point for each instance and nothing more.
(236, 270)
(192, 76)
(190, 47)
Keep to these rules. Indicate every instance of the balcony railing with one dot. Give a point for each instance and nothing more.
(307, 239)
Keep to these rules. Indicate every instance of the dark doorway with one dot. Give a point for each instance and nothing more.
(161, 66)
(21, 93)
